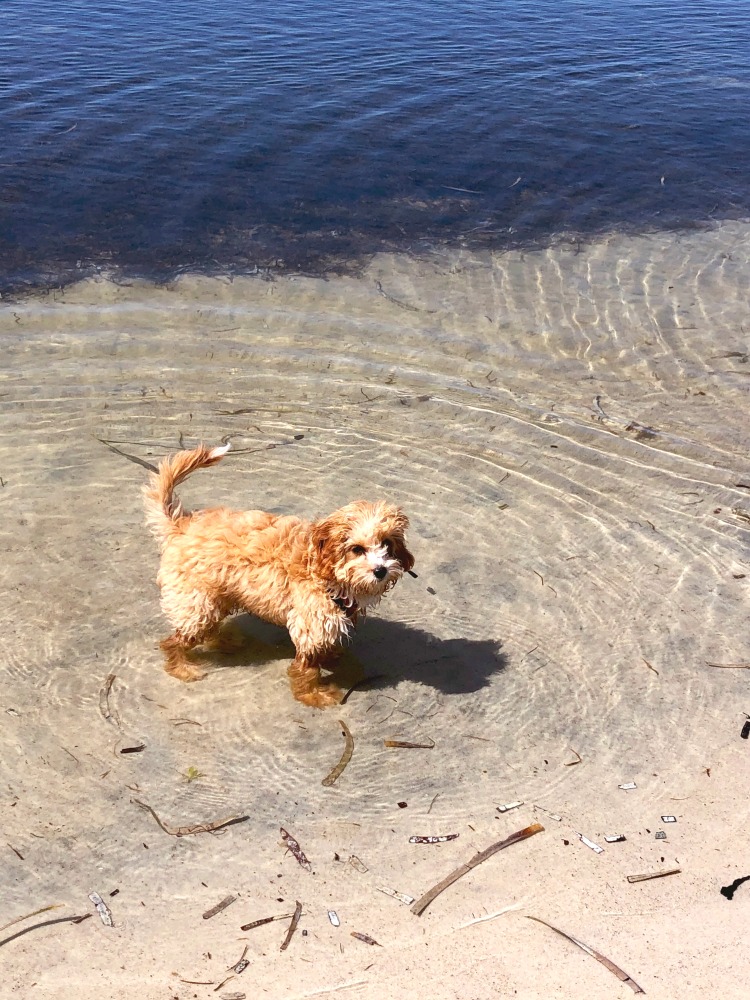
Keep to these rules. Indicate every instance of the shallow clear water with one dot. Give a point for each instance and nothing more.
(566, 431)
(302, 134)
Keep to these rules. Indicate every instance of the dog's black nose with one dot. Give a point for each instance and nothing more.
(380, 572)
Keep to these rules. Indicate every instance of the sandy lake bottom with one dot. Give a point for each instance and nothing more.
(568, 431)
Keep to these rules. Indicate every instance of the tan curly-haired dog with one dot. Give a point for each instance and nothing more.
(315, 579)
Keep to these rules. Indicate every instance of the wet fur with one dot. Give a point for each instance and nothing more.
(314, 578)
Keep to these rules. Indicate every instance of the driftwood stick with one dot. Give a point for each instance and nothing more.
(46, 923)
(421, 904)
(606, 962)
(292, 926)
(186, 831)
(346, 756)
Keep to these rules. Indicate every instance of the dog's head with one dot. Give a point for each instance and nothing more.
(361, 548)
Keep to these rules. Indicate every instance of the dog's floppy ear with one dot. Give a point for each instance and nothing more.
(398, 522)
(401, 553)
(326, 539)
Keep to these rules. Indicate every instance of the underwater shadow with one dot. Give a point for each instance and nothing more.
(402, 652)
(382, 651)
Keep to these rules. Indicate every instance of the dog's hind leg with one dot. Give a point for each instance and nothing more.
(196, 620)
(176, 662)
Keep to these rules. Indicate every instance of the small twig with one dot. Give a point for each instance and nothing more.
(361, 683)
(227, 901)
(241, 964)
(404, 745)
(264, 920)
(46, 923)
(186, 831)
(34, 913)
(130, 458)
(601, 415)
(620, 973)
(491, 916)
(292, 926)
(421, 904)
(397, 302)
(649, 666)
(371, 399)
(365, 938)
(730, 666)
(104, 707)
(346, 756)
(572, 763)
(650, 875)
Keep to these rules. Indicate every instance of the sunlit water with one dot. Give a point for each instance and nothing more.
(567, 432)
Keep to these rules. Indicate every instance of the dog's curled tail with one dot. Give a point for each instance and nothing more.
(163, 508)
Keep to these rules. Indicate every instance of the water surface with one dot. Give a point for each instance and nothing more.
(159, 136)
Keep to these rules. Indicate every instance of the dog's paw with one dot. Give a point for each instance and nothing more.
(322, 696)
(187, 672)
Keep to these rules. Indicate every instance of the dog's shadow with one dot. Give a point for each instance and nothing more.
(381, 653)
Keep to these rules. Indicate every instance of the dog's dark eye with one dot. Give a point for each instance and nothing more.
(358, 550)
(388, 545)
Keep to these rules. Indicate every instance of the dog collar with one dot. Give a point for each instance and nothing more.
(347, 604)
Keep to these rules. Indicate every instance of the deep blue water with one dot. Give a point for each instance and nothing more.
(161, 134)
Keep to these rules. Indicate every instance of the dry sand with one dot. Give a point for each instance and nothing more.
(568, 430)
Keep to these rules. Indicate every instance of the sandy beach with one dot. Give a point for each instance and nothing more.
(568, 431)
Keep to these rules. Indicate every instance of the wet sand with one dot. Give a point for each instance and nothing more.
(567, 430)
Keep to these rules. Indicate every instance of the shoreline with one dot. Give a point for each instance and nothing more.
(287, 258)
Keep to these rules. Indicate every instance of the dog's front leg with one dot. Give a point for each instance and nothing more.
(307, 686)
(304, 671)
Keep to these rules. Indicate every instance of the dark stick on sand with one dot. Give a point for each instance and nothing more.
(421, 904)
